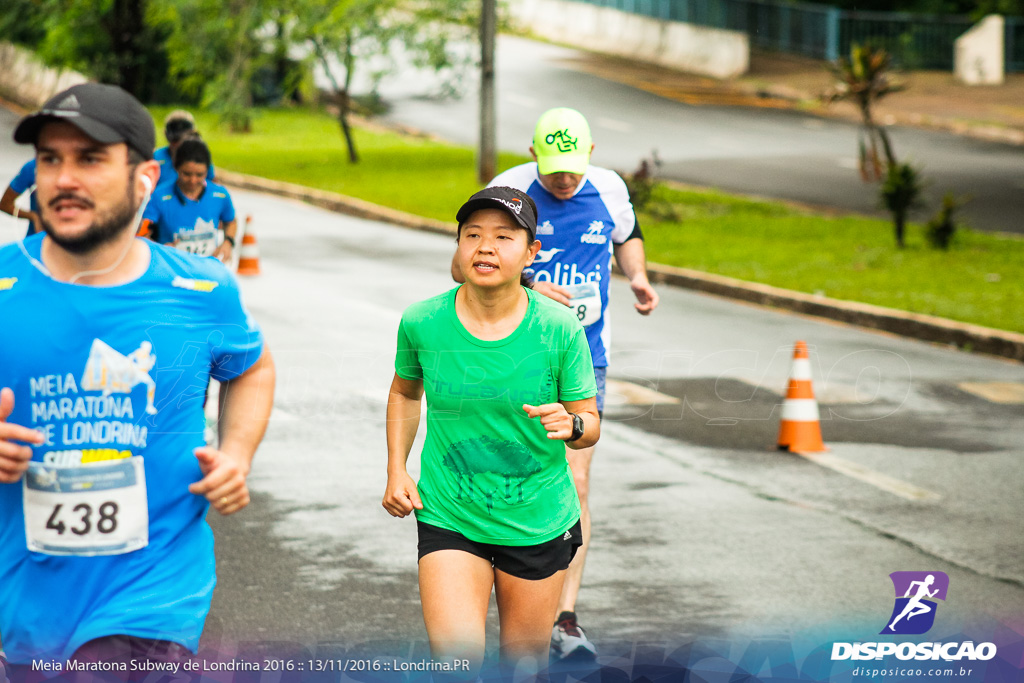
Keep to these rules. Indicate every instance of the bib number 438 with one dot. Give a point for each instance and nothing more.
(95, 509)
(106, 523)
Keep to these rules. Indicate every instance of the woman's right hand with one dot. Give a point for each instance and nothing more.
(401, 497)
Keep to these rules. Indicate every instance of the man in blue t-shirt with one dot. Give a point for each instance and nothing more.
(105, 478)
(178, 127)
(193, 213)
(22, 183)
(584, 218)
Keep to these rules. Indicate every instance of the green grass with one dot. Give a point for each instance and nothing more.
(846, 257)
(416, 175)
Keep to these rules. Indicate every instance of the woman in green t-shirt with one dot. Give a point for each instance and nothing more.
(508, 379)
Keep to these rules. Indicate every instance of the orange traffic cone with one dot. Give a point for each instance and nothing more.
(800, 431)
(249, 254)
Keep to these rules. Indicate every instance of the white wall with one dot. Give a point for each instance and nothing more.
(979, 58)
(687, 47)
(27, 81)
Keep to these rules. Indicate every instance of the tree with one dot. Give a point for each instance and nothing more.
(343, 36)
(865, 78)
(901, 191)
(214, 48)
(109, 40)
(22, 22)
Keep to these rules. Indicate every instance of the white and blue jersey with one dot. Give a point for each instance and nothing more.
(168, 174)
(25, 181)
(192, 223)
(102, 536)
(576, 236)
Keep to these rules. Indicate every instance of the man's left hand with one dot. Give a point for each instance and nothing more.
(223, 482)
(646, 298)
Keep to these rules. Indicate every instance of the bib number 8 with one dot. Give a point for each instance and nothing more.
(106, 524)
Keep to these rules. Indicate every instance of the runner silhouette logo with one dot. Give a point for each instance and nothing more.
(916, 595)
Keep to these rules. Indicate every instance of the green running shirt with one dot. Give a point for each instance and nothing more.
(488, 471)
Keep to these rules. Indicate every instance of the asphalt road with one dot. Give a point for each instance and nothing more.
(702, 528)
(703, 532)
(766, 152)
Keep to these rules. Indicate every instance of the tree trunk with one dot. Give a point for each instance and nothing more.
(343, 107)
(346, 103)
(341, 94)
(900, 220)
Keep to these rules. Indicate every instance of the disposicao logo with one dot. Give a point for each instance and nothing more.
(913, 614)
(916, 593)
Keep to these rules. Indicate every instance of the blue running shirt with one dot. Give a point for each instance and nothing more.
(167, 173)
(115, 377)
(576, 237)
(193, 223)
(25, 181)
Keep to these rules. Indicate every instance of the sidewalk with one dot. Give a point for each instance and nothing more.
(933, 99)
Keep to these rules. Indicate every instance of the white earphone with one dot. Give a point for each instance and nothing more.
(148, 184)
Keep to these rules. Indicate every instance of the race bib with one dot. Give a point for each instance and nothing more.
(96, 509)
(585, 302)
(200, 243)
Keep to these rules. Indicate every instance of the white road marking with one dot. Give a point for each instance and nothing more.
(621, 393)
(997, 392)
(868, 476)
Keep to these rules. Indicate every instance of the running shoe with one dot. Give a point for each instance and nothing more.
(568, 641)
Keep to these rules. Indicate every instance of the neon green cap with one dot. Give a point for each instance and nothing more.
(562, 142)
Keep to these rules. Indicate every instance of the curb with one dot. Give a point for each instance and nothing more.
(332, 201)
(965, 336)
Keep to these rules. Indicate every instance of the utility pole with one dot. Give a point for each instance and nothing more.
(487, 157)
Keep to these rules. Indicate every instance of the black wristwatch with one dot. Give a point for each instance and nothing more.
(577, 427)
(229, 239)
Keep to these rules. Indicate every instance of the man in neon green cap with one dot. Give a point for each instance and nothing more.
(584, 218)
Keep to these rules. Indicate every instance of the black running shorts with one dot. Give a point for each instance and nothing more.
(532, 562)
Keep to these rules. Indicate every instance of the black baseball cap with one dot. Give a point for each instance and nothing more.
(105, 113)
(515, 203)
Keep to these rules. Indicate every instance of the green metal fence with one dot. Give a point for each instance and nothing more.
(799, 28)
(1015, 44)
(916, 41)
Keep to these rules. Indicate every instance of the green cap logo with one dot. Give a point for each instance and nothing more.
(562, 142)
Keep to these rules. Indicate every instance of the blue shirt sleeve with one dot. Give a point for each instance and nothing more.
(227, 209)
(240, 342)
(152, 213)
(26, 177)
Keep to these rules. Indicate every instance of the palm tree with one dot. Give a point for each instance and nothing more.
(864, 78)
(901, 192)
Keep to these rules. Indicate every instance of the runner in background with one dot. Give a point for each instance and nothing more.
(22, 183)
(105, 482)
(178, 126)
(584, 218)
(495, 503)
(193, 213)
